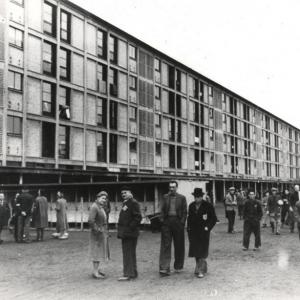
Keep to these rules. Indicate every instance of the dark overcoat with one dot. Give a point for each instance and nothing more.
(199, 224)
(129, 219)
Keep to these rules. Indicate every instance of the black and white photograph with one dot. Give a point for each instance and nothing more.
(149, 149)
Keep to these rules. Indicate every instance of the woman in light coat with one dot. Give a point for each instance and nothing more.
(98, 244)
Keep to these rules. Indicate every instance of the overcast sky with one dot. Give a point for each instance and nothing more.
(251, 47)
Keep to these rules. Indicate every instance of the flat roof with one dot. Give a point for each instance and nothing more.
(170, 59)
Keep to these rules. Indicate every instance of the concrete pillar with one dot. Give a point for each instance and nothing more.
(156, 200)
(224, 188)
(21, 179)
(255, 187)
(214, 192)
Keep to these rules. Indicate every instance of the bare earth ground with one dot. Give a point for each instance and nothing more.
(57, 269)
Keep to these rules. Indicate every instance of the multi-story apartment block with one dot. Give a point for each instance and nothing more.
(84, 106)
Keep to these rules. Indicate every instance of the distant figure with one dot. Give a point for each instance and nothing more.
(230, 205)
(61, 217)
(297, 215)
(173, 217)
(265, 208)
(294, 198)
(128, 231)
(24, 204)
(285, 207)
(201, 219)
(274, 210)
(240, 199)
(40, 215)
(98, 244)
(252, 216)
(4, 214)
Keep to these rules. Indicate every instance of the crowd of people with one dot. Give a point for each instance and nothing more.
(175, 216)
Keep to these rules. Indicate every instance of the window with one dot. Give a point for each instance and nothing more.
(113, 147)
(15, 81)
(14, 126)
(171, 103)
(64, 103)
(48, 100)
(132, 83)
(64, 64)
(101, 112)
(101, 78)
(101, 146)
(172, 156)
(63, 142)
(113, 82)
(113, 49)
(157, 119)
(178, 131)
(157, 92)
(15, 37)
(158, 149)
(171, 129)
(48, 139)
(210, 91)
(178, 105)
(157, 67)
(113, 122)
(49, 19)
(101, 43)
(133, 145)
(65, 26)
(132, 113)
(132, 52)
(49, 59)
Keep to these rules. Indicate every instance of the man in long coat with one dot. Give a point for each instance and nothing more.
(40, 215)
(173, 217)
(128, 231)
(62, 225)
(294, 198)
(252, 216)
(201, 219)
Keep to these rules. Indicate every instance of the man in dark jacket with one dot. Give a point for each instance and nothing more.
(173, 217)
(128, 231)
(201, 219)
(252, 216)
(24, 204)
(274, 210)
(294, 198)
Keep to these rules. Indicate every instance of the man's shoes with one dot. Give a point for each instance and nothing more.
(55, 234)
(101, 273)
(178, 271)
(164, 273)
(277, 233)
(245, 249)
(26, 241)
(124, 278)
(200, 275)
(256, 249)
(65, 236)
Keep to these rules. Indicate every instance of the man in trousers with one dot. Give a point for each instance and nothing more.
(294, 198)
(173, 217)
(252, 216)
(274, 210)
(230, 205)
(128, 231)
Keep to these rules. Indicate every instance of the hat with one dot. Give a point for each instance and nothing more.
(273, 189)
(232, 188)
(102, 193)
(125, 188)
(197, 192)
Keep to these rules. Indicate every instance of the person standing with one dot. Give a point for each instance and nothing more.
(98, 243)
(297, 216)
(4, 214)
(62, 225)
(294, 198)
(285, 207)
(230, 205)
(24, 204)
(265, 208)
(240, 199)
(128, 231)
(173, 217)
(274, 211)
(200, 221)
(252, 216)
(40, 215)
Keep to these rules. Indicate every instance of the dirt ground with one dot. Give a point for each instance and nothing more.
(56, 269)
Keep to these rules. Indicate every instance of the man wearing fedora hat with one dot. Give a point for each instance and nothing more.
(201, 219)
(173, 216)
(128, 231)
(230, 205)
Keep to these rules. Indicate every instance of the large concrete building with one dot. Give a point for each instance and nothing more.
(85, 106)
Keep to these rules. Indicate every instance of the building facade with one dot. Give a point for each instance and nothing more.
(84, 105)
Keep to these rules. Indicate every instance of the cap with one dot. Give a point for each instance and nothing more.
(125, 188)
(232, 188)
(197, 192)
(102, 193)
(274, 189)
